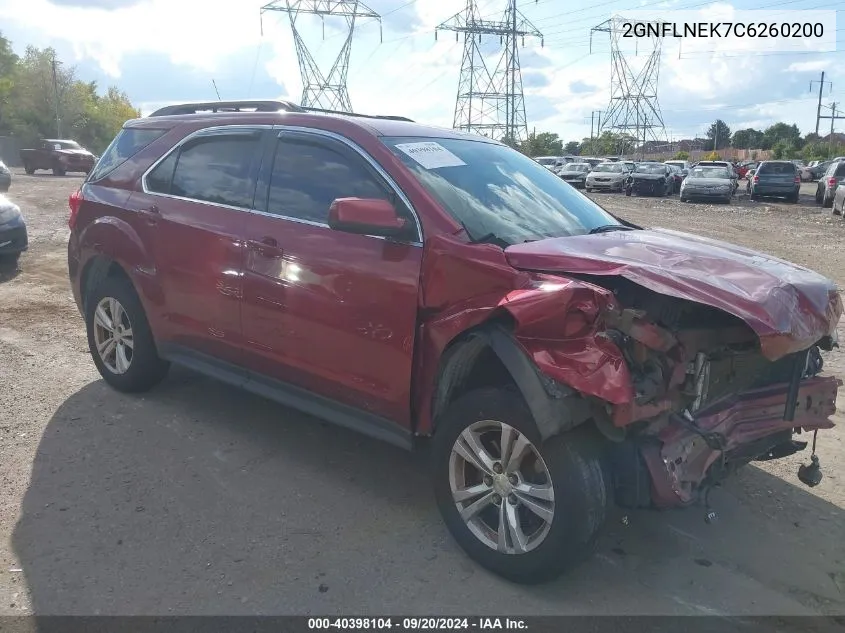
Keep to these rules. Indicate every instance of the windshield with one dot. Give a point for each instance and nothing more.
(546, 161)
(676, 163)
(577, 167)
(709, 172)
(650, 168)
(612, 167)
(496, 193)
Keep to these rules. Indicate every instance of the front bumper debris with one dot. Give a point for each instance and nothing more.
(681, 459)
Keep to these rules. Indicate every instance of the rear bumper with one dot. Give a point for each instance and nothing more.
(681, 460)
(775, 190)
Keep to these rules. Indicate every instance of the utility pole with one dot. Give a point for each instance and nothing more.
(56, 92)
(833, 117)
(819, 108)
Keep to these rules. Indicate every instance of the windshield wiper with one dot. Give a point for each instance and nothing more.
(492, 238)
(606, 228)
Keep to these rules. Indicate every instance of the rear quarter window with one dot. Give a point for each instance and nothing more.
(127, 143)
(840, 169)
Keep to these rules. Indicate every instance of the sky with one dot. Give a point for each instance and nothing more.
(166, 51)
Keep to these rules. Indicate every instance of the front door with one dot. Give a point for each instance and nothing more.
(332, 312)
(196, 201)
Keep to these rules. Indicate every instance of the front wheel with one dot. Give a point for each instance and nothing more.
(525, 509)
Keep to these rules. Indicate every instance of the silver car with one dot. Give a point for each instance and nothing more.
(714, 182)
(839, 200)
(607, 177)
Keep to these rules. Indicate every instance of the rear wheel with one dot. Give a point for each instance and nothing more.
(525, 509)
(10, 261)
(827, 202)
(119, 337)
(29, 169)
(58, 170)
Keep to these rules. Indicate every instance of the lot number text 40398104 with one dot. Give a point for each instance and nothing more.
(418, 624)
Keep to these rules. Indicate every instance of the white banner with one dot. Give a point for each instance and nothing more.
(721, 28)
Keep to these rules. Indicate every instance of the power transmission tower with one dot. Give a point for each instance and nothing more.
(833, 117)
(491, 103)
(633, 109)
(327, 92)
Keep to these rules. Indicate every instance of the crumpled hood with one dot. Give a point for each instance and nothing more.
(788, 306)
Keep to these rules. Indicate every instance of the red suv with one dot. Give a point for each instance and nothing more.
(425, 286)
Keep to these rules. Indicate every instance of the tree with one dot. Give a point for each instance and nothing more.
(719, 135)
(748, 138)
(712, 156)
(572, 147)
(28, 101)
(782, 132)
(542, 144)
(681, 156)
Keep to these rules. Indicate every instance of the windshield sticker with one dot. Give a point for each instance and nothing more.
(430, 155)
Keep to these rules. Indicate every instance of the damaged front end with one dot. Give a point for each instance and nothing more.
(706, 401)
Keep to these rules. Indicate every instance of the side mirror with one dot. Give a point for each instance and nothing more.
(365, 216)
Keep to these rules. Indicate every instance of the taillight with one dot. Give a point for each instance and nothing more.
(756, 178)
(797, 180)
(831, 182)
(74, 202)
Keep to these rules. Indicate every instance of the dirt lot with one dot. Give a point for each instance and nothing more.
(200, 499)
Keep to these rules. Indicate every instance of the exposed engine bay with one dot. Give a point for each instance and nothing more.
(706, 399)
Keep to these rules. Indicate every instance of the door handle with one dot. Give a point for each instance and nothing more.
(267, 247)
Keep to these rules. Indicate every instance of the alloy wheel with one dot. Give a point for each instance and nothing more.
(501, 487)
(113, 335)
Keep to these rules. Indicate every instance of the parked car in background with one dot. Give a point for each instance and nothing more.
(650, 179)
(13, 236)
(680, 164)
(828, 183)
(727, 165)
(707, 182)
(61, 156)
(591, 160)
(630, 164)
(5, 177)
(442, 291)
(839, 200)
(550, 162)
(607, 177)
(575, 174)
(809, 174)
(678, 175)
(775, 178)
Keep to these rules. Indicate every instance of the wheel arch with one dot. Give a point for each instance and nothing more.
(96, 269)
(490, 355)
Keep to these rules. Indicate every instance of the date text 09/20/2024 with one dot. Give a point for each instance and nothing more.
(417, 623)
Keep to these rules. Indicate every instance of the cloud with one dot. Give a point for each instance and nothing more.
(534, 80)
(577, 87)
(96, 4)
(811, 66)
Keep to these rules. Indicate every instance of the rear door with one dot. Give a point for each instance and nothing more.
(331, 312)
(195, 201)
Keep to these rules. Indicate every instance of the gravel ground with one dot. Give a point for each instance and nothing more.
(196, 498)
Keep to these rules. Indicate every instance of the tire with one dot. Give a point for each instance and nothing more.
(28, 169)
(144, 368)
(10, 261)
(818, 196)
(827, 202)
(570, 462)
(58, 171)
(588, 190)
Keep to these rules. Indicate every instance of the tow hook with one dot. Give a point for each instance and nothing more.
(811, 474)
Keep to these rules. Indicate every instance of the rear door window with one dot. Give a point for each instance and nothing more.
(840, 169)
(217, 168)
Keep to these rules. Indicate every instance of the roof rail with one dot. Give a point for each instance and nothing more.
(228, 106)
(389, 117)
